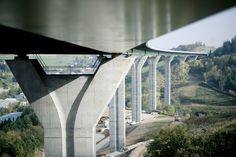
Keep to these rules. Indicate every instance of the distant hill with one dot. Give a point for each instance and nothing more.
(198, 46)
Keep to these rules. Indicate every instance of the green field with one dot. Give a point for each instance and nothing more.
(5, 57)
(50, 60)
(202, 95)
(58, 60)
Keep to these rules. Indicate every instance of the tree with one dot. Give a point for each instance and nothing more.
(22, 137)
(213, 74)
(180, 74)
(170, 110)
(168, 142)
(233, 41)
(196, 67)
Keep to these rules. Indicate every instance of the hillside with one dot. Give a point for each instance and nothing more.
(203, 95)
(199, 94)
(206, 103)
(196, 47)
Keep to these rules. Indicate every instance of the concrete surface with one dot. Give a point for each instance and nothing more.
(96, 98)
(117, 119)
(69, 107)
(136, 99)
(167, 77)
(152, 62)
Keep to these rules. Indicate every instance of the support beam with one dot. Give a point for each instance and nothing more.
(54, 102)
(69, 107)
(183, 58)
(167, 90)
(152, 62)
(137, 89)
(117, 119)
(94, 102)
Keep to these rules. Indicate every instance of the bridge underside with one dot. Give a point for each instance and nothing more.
(69, 107)
(113, 27)
(19, 42)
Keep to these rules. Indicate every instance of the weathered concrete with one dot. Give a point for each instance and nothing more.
(69, 106)
(137, 88)
(152, 62)
(117, 119)
(167, 89)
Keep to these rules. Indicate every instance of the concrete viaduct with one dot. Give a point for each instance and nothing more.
(117, 104)
(70, 106)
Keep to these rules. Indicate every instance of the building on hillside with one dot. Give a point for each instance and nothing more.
(6, 102)
(11, 116)
(20, 97)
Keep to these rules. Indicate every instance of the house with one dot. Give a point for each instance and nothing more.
(5, 103)
(11, 116)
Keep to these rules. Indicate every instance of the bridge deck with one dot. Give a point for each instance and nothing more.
(114, 26)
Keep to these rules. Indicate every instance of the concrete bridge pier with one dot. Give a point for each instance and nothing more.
(183, 58)
(51, 98)
(152, 62)
(137, 89)
(94, 102)
(68, 106)
(117, 119)
(167, 77)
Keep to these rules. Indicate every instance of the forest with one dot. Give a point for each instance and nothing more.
(205, 98)
(23, 137)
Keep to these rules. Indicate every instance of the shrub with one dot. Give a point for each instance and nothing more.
(169, 110)
(168, 142)
(178, 141)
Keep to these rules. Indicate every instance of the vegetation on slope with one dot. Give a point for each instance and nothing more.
(200, 94)
(210, 127)
(210, 131)
(22, 137)
(181, 141)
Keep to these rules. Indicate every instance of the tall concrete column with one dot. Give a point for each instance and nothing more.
(117, 119)
(167, 77)
(183, 58)
(69, 107)
(53, 100)
(152, 61)
(137, 89)
(94, 102)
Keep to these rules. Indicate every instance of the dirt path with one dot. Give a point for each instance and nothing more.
(150, 125)
(139, 151)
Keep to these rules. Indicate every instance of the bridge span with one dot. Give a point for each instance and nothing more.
(70, 106)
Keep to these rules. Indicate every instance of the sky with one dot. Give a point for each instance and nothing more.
(212, 31)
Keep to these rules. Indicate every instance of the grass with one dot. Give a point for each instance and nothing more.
(6, 57)
(213, 119)
(146, 131)
(50, 60)
(202, 95)
(58, 60)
